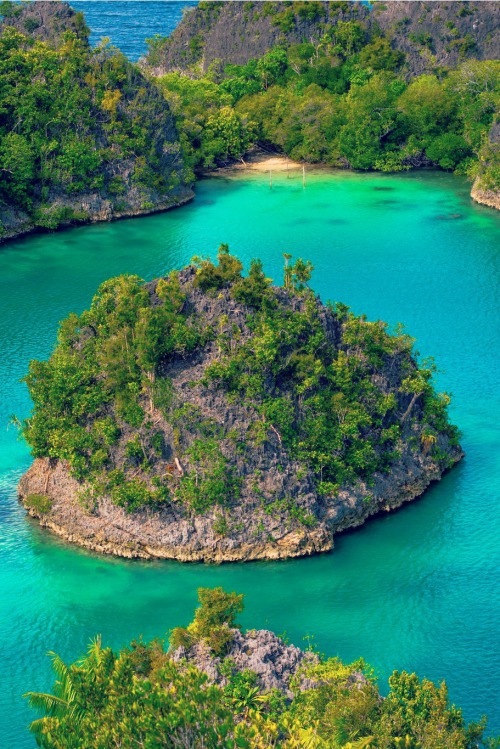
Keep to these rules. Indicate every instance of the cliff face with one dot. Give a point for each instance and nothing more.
(218, 474)
(484, 189)
(236, 32)
(439, 34)
(430, 34)
(84, 136)
(44, 21)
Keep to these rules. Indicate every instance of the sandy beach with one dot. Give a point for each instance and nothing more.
(261, 161)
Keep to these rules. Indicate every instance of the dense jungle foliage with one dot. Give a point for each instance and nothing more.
(105, 405)
(140, 697)
(77, 121)
(341, 100)
(105, 361)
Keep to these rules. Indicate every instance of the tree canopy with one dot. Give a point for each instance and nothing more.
(341, 101)
(140, 697)
(105, 403)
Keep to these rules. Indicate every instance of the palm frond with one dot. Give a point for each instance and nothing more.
(50, 704)
(363, 743)
(62, 670)
(93, 658)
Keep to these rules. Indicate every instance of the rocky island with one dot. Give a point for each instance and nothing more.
(84, 136)
(213, 416)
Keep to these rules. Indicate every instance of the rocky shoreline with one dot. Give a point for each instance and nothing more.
(145, 535)
(485, 197)
(94, 209)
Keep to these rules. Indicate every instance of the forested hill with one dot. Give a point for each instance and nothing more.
(387, 88)
(84, 136)
(212, 416)
(430, 35)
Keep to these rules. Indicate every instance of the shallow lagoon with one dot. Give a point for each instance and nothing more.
(418, 589)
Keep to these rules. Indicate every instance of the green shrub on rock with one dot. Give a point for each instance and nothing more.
(39, 503)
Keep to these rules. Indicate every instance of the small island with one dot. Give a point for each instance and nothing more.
(212, 416)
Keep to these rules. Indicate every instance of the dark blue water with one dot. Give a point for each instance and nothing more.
(128, 23)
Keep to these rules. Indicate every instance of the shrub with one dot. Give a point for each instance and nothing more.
(213, 621)
(39, 503)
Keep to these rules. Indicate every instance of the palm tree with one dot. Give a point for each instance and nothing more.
(428, 440)
(64, 702)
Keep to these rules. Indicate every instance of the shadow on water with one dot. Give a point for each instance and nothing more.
(436, 499)
(387, 202)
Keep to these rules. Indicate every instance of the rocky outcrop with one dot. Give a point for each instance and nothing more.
(44, 20)
(88, 208)
(430, 34)
(273, 661)
(491, 198)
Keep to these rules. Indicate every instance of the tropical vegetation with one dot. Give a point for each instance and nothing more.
(342, 100)
(105, 403)
(141, 697)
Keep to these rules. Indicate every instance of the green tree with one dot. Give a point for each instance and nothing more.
(17, 164)
(272, 66)
(252, 291)
(213, 620)
(301, 273)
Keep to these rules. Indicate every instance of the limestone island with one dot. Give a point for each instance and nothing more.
(211, 416)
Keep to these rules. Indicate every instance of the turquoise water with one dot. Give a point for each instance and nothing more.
(418, 589)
